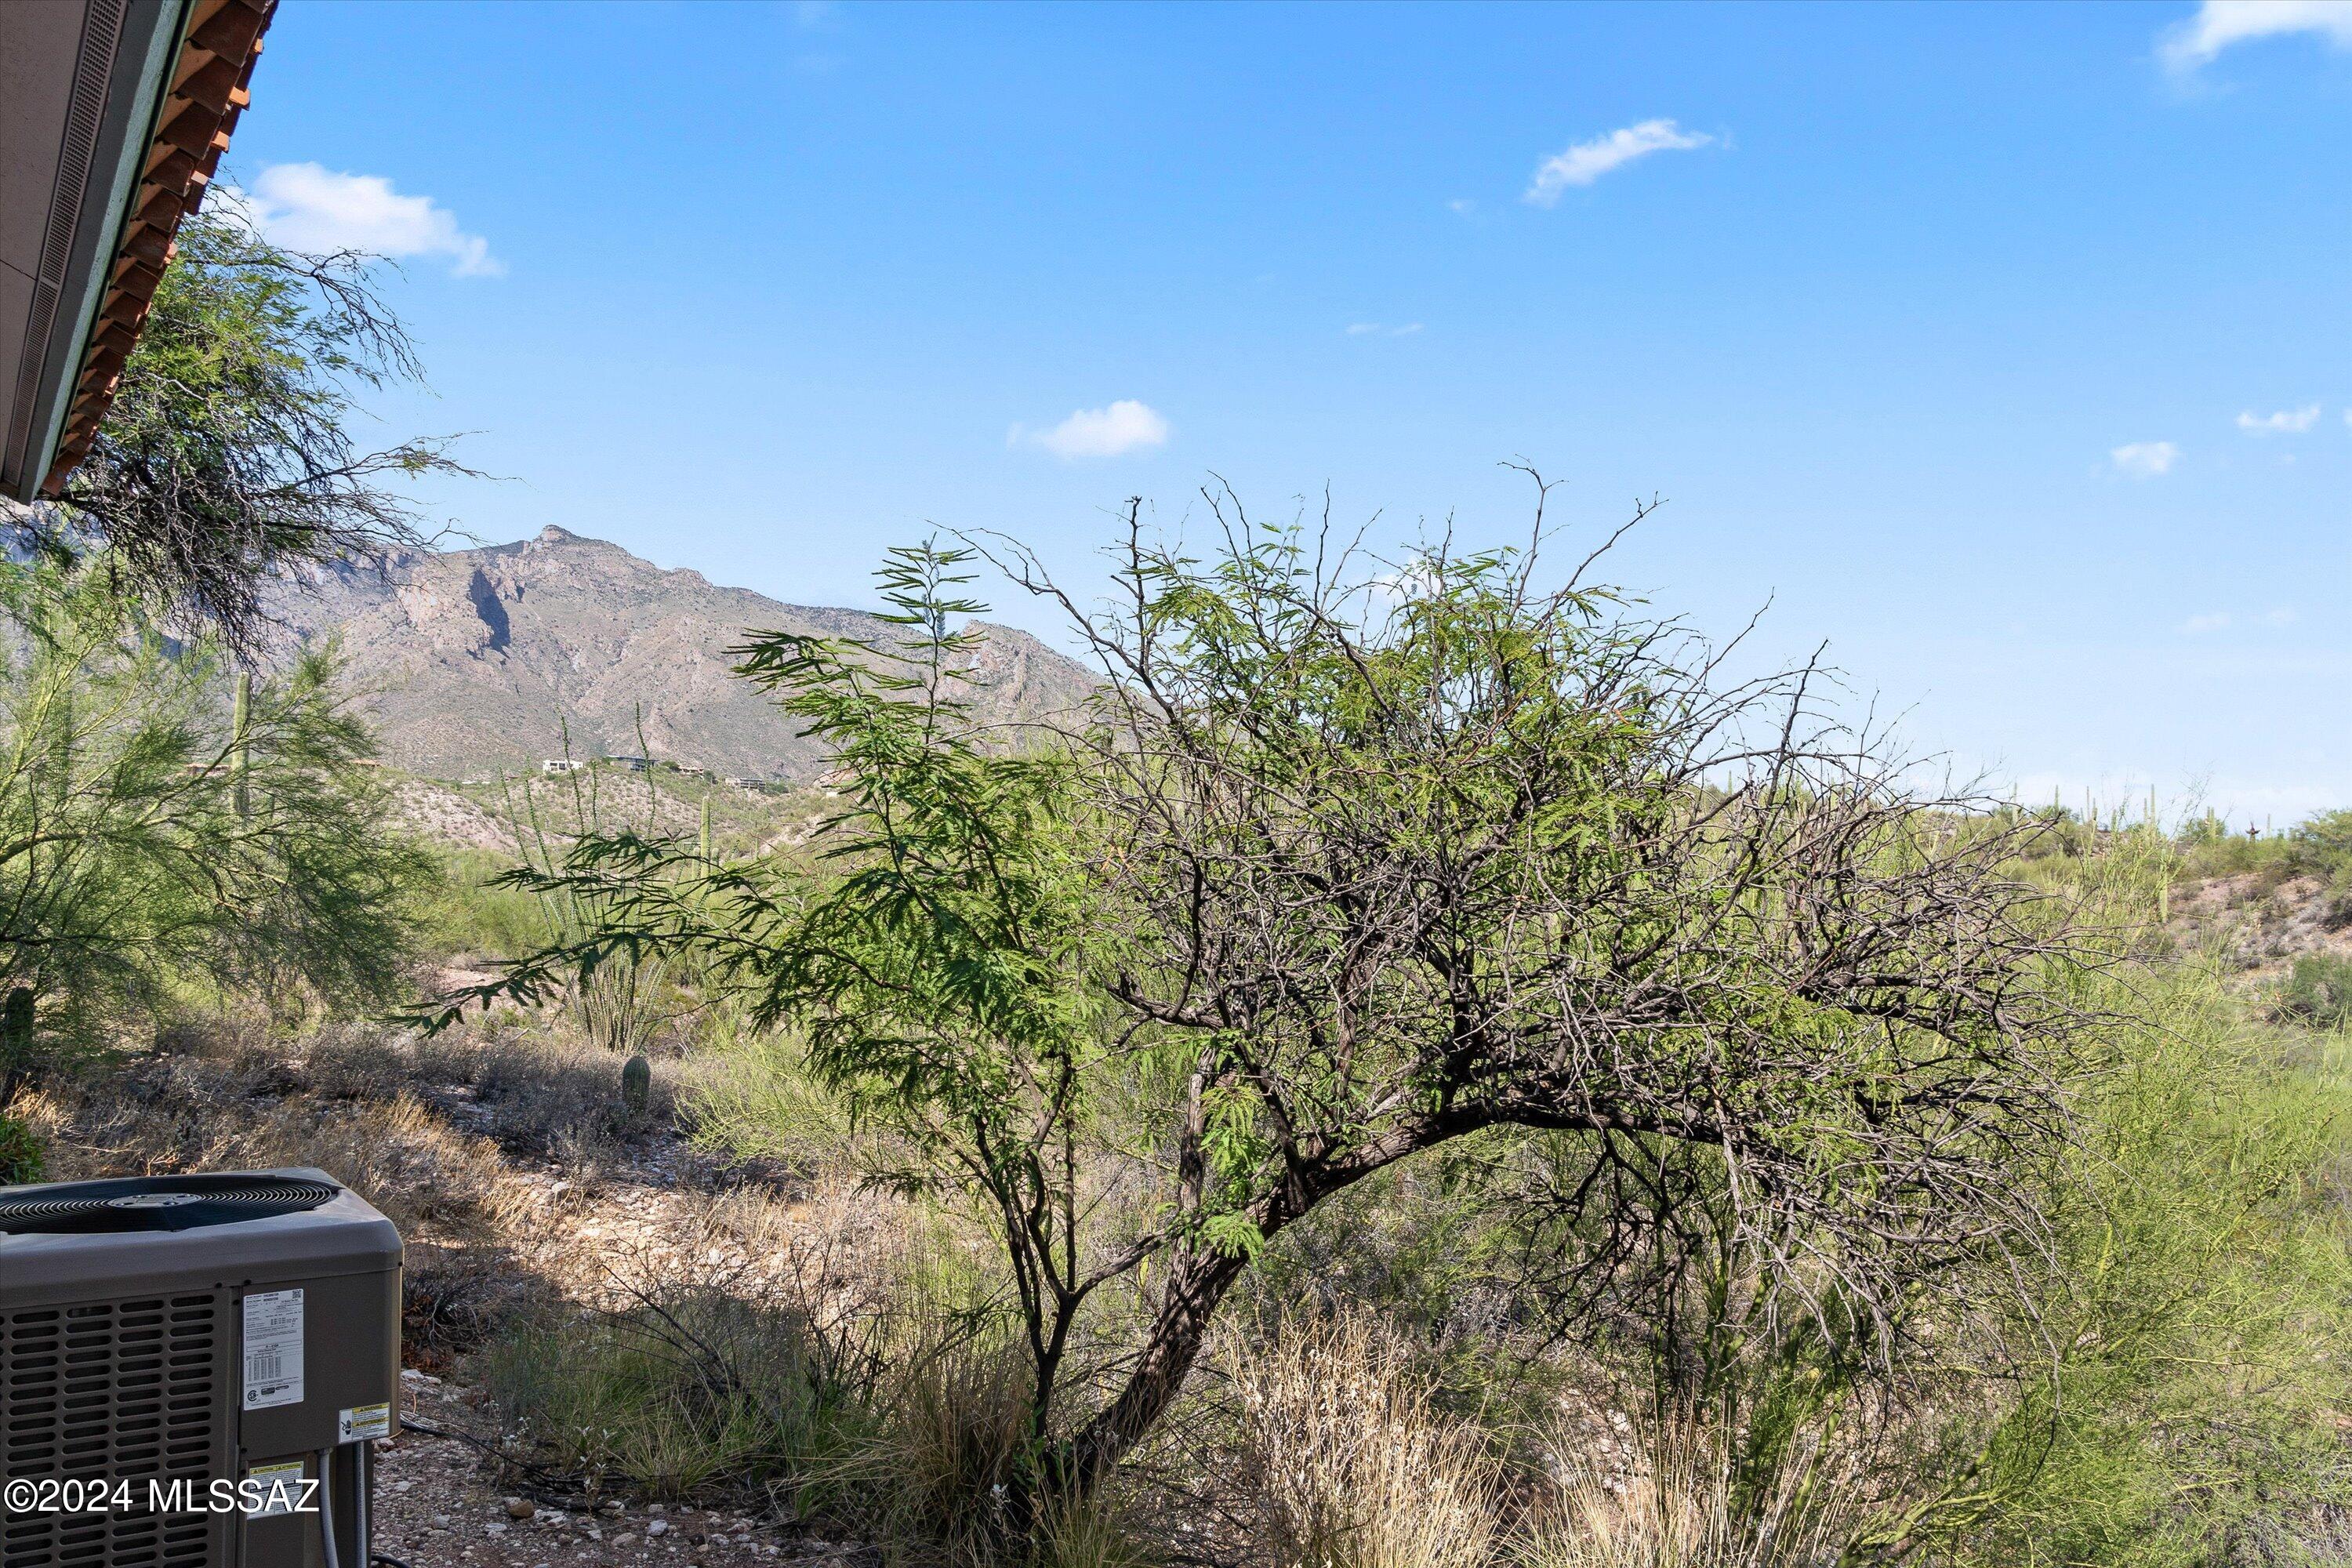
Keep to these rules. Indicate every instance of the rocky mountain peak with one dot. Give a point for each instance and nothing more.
(471, 662)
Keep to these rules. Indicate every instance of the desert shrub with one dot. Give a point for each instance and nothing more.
(2323, 845)
(622, 998)
(2175, 1384)
(454, 1301)
(684, 1394)
(22, 1157)
(2320, 846)
(468, 911)
(2318, 991)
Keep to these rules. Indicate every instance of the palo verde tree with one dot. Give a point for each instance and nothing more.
(155, 832)
(1343, 865)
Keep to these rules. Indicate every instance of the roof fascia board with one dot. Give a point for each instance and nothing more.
(137, 87)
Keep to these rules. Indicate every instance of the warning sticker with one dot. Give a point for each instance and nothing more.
(362, 1422)
(273, 1349)
(272, 1489)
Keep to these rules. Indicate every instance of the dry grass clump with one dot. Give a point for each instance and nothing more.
(947, 1460)
(1338, 1456)
(1683, 1509)
(1342, 1460)
(945, 1477)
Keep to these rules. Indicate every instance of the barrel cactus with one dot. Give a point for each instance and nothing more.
(636, 1085)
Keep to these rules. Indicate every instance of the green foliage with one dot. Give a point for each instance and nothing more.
(697, 1395)
(757, 1100)
(2177, 1385)
(147, 843)
(2325, 841)
(22, 1159)
(468, 910)
(621, 999)
(227, 452)
(1314, 894)
(2318, 991)
(937, 980)
(15, 1041)
(2319, 846)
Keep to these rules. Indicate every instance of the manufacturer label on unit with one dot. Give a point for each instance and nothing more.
(272, 1489)
(273, 1349)
(362, 1422)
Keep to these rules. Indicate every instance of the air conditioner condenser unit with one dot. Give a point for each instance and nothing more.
(191, 1368)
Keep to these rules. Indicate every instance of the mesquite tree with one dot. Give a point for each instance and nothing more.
(228, 455)
(1344, 864)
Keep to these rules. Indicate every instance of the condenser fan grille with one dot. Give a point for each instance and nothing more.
(156, 1202)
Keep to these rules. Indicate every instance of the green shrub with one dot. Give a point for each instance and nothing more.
(2324, 844)
(22, 1158)
(700, 1394)
(469, 912)
(2318, 992)
(2320, 846)
(2175, 1384)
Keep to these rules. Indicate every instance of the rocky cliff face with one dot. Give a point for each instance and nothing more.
(476, 660)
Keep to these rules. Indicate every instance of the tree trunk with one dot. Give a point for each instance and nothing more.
(1198, 1284)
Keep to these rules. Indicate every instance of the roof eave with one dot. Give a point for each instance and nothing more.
(176, 87)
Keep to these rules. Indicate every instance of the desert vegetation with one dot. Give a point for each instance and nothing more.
(1425, 1069)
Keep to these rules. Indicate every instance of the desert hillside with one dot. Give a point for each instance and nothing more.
(475, 661)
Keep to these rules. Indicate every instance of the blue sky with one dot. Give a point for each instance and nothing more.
(2008, 350)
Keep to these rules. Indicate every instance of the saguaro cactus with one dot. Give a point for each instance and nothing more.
(241, 727)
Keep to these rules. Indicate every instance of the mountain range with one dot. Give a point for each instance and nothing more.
(471, 662)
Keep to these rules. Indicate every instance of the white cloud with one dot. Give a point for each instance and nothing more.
(2218, 24)
(2221, 620)
(2145, 459)
(304, 206)
(1376, 329)
(1462, 204)
(2285, 422)
(1587, 160)
(1124, 427)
